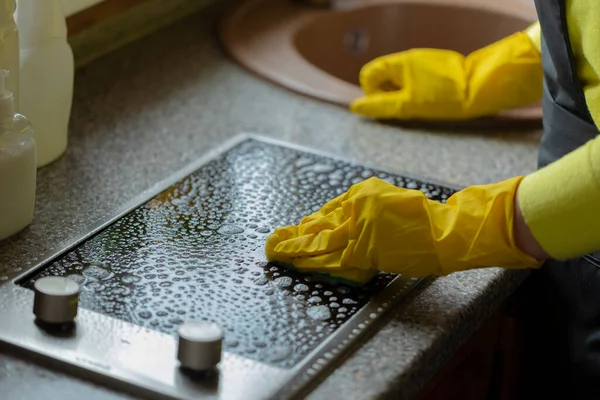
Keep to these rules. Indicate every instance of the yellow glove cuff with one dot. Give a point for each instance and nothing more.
(477, 229)
(504, 75)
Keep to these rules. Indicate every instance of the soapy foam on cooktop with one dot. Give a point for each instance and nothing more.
(196, 252)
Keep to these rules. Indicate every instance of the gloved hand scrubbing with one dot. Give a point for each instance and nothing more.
(376, 226)
(440, 84)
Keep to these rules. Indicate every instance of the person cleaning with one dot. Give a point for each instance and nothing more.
(548, 221)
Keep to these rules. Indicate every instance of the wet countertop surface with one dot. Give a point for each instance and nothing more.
(148, 110)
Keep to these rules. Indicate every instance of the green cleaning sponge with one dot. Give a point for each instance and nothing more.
(351, 277)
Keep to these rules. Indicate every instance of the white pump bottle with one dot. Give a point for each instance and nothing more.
(46, 75)
(17, 165)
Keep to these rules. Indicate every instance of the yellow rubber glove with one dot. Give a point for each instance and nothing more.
(376, 226)
(440, 84)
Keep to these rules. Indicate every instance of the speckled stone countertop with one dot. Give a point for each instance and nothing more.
(147, 110)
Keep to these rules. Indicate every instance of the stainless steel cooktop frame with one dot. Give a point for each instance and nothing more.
(143, 362)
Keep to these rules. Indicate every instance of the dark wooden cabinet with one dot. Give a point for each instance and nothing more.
(484, 368)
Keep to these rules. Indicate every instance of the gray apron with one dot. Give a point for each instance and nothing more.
(562, 299)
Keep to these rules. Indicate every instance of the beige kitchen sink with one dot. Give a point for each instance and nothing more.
(319, 51)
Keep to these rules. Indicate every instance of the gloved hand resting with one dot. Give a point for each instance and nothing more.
(376, 226)
(440, 84)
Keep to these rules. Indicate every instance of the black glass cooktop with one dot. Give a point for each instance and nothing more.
(196, 252)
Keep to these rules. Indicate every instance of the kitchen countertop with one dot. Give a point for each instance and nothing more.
(147, 110)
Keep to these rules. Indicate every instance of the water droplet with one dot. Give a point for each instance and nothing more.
(283, 281)
(229, 229)
(260, 281)
(77, 278)
(322, 168)
(94, 286)
(121, 291)
(145, 314)
(348, 301)
(95, 272)
(319, 313)
(301, 288)
(263, 229)
(314, 299)
(278, 353)
(130, 278)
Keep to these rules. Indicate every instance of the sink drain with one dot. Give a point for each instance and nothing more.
(356, 41)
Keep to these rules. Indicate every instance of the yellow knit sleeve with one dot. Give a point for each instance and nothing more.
(561, 203)
(534, 32)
